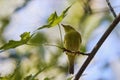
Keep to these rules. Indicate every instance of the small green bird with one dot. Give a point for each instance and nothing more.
(72, 41)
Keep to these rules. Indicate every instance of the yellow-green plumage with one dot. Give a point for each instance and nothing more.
(72, 41)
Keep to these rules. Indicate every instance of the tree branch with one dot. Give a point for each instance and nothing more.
(97, 46)
(75, 52)
(66, 50)
(112, 10)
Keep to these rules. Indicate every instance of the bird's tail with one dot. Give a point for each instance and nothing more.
(71, 59)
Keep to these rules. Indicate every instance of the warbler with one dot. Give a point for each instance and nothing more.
(72, 41)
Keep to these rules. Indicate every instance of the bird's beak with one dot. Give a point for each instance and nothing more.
(63, 25)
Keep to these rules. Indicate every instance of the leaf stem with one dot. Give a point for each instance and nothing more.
(60, 34)
(33, 77)
(96, 48)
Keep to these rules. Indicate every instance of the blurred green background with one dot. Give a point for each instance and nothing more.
(41, 62)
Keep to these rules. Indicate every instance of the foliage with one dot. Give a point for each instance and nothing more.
(33, 61)
(54, 19)
(12, 44)
(33, 39)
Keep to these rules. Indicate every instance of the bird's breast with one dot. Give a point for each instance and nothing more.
(72, 41)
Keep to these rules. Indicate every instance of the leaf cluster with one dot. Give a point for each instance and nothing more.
(27, 38)
(13, 44)
(53, 20)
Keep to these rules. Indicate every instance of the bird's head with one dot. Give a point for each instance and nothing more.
(68, 28)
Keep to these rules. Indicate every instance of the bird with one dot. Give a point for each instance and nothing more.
(72, 42)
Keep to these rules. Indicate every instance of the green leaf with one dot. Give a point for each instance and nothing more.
(4, 78)
(64, 12)
(13, 44)
(44, 26)
(46, 78)
(38, 38)
(28, 77)
(59, 18)
(25, 36)
(54, 19)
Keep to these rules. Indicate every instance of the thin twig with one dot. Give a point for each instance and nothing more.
(96, 48)
(62, 48)
(112, 10)
(75, 52)
(41, 70)
(60, 34)
(66, 50)
(53, 45)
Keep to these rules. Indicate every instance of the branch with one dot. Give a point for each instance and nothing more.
(62, 48)
(112, 10)
(75, 52)
(97, 46)
(66, 50)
